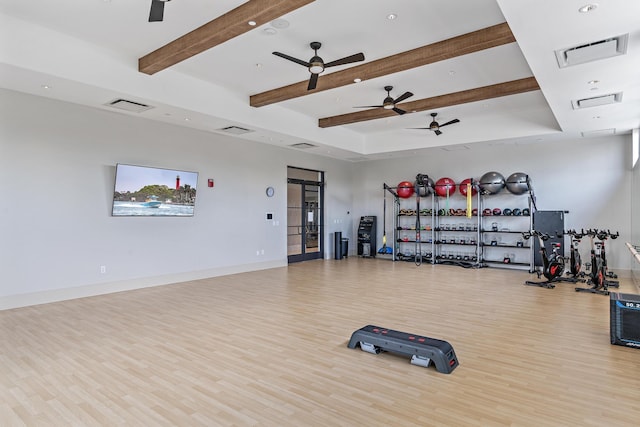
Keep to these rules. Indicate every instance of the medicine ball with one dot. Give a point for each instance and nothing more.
(423, 185)
(486, 212)
(405, 189)
(463, 187)
(517, 212)
(518, 183)
(444, 185)
(492, 183)
(507, 212)
(496, 211)
(526, 212)
(474, 212)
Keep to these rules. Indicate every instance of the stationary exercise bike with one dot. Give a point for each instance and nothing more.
(552, 266)
(575, 261)
(598, 266)
(602, 235)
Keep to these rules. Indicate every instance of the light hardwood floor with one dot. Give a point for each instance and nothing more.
(269, 348)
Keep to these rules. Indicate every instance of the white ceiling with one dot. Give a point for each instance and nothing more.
(87, 52)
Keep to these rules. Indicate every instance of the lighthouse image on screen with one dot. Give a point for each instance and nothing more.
(149, 191)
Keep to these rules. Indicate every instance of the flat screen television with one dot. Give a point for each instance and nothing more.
(150, 191)
(625, 319)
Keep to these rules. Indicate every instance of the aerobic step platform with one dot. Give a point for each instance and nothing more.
(422, 350)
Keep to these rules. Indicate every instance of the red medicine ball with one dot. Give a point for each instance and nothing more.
(444, 184)
(463, 187)
(405, 189)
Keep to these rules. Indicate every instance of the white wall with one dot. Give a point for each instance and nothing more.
(589, 177)
(635, 221)
(57, 163)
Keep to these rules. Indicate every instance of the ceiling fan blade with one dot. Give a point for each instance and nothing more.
(313, 81)
(398, 110)
(437, 132)
(403, 97)
(450, 122)
(291, 58)
(348, 60)
(370, 106)
(157, 11)
(418, 128)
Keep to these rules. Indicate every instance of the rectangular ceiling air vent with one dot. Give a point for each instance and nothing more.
(601, 132)
(302, 145)
(455, 148)
(235, 130)
(597, 101)
(594, 51)
(131, 106)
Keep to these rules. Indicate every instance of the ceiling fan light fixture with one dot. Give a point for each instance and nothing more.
(316, 67)
(388, 103)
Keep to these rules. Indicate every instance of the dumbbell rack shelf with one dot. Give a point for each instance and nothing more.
(448, 236)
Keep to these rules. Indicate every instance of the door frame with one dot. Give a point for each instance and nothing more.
(304, 255)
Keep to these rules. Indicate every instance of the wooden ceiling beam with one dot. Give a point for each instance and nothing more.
(218, 31)
(486, 38)
(472, 95)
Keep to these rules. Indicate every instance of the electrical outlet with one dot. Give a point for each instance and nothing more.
(103, 269)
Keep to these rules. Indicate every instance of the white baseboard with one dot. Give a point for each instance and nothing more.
(44, 297)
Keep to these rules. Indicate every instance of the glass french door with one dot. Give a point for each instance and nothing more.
(304, 215)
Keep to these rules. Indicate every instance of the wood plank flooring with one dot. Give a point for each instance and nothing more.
(269, 348)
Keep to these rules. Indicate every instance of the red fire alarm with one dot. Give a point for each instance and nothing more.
(210, 182)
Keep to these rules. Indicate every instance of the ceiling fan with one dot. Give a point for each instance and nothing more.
(157, 10)
(316, 65)
(434, 126)
(389, 103)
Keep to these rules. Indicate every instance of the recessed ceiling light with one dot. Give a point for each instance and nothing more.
(588, 7)
(592, 82)
(391, 16)
(280, 23)
(451, 72)
(269, 31)
(187, 119)
(357, 80)
(252, 23)
(45, 87)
